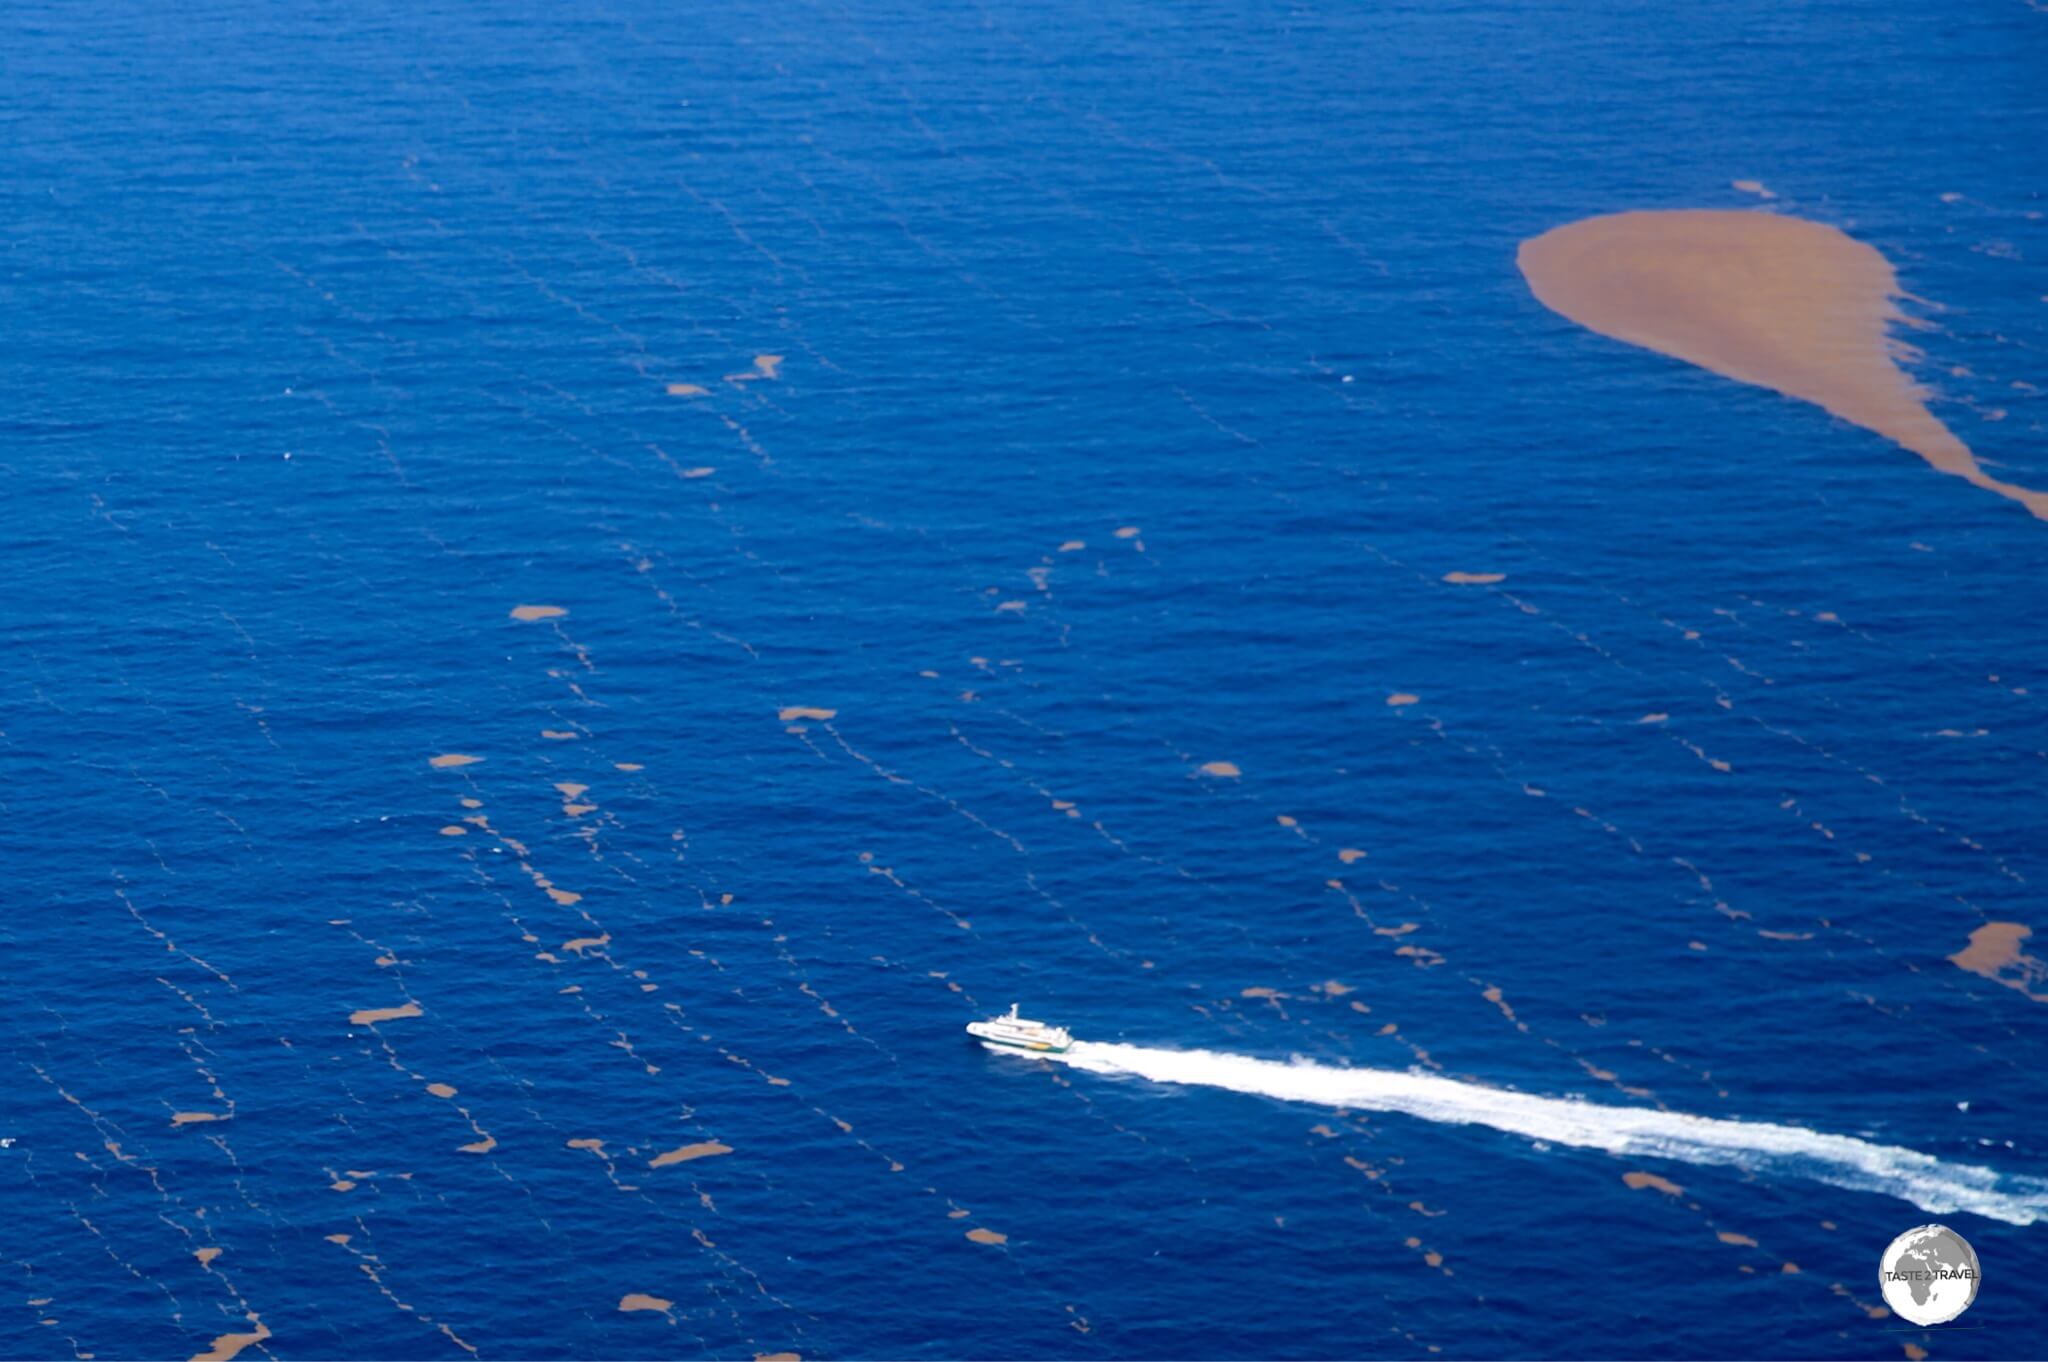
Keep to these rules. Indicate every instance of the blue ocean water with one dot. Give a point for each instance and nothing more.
(990, 475)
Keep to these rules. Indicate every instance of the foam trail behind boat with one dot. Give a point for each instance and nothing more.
(1841, 1160)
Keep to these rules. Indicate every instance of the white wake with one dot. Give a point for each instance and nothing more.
(1840, 1160)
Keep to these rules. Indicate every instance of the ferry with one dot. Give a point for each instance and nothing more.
(1012, 1032)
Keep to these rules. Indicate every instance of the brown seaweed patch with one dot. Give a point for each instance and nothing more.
(206, 1255)
(627, 766)
(1474, 578)
(1731, 1237)
(454, 830)
(1995, 953)
(1642, 1180)
(1798, 307)
(981, 1236)
(778, 1357)
(448, 759)
(186, 1118)
(560, 734)
(685, 390)
(227, 1346)
(703, 1149)
(1350, 854)
(636, 1300)
(1226, 769)
(1401, 697)
(764, 367)
(792, 712)
(1755, 187)
(370, 1016)
(537, 612)
(442, 1089)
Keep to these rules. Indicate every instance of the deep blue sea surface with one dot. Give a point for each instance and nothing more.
(991, 467)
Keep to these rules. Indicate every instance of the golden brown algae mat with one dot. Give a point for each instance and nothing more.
(1995, 952)
(1794, 306)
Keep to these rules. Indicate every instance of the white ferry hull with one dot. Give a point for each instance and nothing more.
(1019, 1046)
(1021, 1035)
